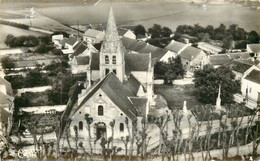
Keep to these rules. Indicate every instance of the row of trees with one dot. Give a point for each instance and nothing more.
(228, 133)
(226, 35)
(27, 41)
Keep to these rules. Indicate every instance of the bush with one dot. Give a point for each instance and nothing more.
(35, 78)
(44, 49)
(7, 63)
(16, 81)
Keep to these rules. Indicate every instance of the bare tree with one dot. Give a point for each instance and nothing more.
(132, 136)
(125, 141)
(89, 121)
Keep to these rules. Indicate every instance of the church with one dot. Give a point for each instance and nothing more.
(119, 85)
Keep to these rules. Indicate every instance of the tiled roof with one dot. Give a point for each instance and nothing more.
(82, 60)
(140, 104)
(72, 40)
(175, 46)
(94, 64)
(117, 92)
(143, 47)
(220, 59)
(254, 76)
(92, 33)
(240, 55)
(8, 86)
(254, 47)
(190, 53)
(240, 66)
(80, 48)
(137, 62)
(133, 84)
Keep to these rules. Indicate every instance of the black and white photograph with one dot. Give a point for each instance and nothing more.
(130, 80)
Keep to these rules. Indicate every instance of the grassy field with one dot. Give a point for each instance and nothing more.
(5, 30)
(175, 95)
(169, 14)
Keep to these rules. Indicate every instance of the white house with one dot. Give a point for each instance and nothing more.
(176, 47)
(6, 106)
(93, 36)
(56, 40)
(193, 58)
(68, 44)
(250, 87)
(79, 64)
(126, 33)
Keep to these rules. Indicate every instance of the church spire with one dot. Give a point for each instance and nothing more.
(111, 30)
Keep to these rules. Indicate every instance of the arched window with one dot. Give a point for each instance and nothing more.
(100, 110)
(121, 127)
(114, 60)
(80, 125)
(106, 59)
(107, 71)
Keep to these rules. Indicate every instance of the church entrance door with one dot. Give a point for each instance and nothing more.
(101, 130)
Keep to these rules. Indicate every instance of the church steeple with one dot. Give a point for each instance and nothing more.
(111, 30)
(112, 51)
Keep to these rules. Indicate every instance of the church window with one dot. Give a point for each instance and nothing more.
(106, 59)
(107, 71)
(114, 59)
(80, 125)
(121, 127)
(100, 110)
(250, 90)
(114, 71)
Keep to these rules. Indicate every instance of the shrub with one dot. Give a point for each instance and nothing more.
(7, 63)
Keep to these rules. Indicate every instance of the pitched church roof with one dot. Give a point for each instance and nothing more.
(117, 92)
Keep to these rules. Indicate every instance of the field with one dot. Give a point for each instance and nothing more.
(175, 95)
(5, 30)
(169, 14)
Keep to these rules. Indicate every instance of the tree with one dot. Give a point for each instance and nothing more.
(253, 37)
(166, 32)
(35, 78)
(207, 81)
(139, 30)
(7, 63)
(155, 31)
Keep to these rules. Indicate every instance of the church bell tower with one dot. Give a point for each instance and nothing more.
(112, 51)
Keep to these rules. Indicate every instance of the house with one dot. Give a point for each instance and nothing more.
(250, 88)
(123, 32)
(79, 64)
(93, 36)
(219, 60)
(124, 90)
(68, 44)
(56, 40)
(254, 49)
(193, 58)
(10, 51)
(136, 46)
(176, 47)
(6, 106)
(239, 67)
(209, 48)
(82, 49)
